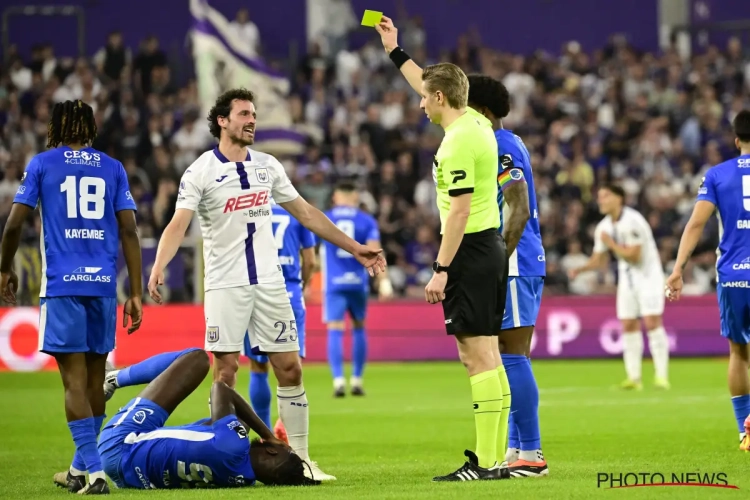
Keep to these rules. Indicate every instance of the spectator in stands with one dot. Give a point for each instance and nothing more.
(651, 122)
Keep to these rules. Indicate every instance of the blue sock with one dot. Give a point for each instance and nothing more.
(359, 351)
(84, 436)
(514, 441)
(525, 402)
(148, 369)
(741, 406)
(78, 462)
(336, 352)
(260, 396)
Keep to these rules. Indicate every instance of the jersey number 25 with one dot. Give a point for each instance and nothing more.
(81, 200)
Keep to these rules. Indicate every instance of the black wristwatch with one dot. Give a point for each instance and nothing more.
(438, 268)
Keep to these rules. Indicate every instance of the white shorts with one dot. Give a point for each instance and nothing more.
(262, 310)
(640, 298)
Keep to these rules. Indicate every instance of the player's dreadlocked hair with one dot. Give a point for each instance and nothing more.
(72, 122)
(275, 466)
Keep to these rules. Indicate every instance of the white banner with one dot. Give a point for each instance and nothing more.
(221, 63)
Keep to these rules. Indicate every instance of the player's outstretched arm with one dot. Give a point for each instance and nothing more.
(517, 198)
(170, 241)
(317, 222)
(595, 262)
(11, 239)
(702, 211)
(131, 249)
(389, 36)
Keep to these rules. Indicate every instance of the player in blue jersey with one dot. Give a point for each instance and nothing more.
(86, 209)
(293, 241)
(519, 224)
(726, 190)
(346, 286)
(139, 451)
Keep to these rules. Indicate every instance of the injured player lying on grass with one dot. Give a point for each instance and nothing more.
(138, 451)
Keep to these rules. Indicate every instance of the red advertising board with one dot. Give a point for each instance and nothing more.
(568, 327)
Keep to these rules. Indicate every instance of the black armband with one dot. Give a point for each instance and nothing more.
(399, 57)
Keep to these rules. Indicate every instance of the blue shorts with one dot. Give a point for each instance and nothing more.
(337, 304)
(734, 313)
(297, 299)
(138, 416)
(522, 302)
(77, 324)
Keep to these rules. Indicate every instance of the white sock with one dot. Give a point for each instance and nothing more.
(658, 343)
(742, 436)
(295, 415)
(339, 382)
(96, 475)
(531, 456)
(76, 472)
(632, 354)
(355, 381)
(512, 454)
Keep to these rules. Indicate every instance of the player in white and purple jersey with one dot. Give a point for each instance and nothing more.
(346, 287)
(519, 225)
(230, 188)
(86, 211)
(725, 190)
(139, 451)
(296, 246)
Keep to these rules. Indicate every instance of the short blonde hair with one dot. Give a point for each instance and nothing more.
(450, 80)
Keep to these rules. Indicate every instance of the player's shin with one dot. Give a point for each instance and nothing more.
(84, 435)
(78, 466)
(658, 344)
(525, 405)
(336, 357)
(359, 356)
(487, 395)
(632, 354)
(260, 396)
(502, 433)
(295, 415)
(148, 369)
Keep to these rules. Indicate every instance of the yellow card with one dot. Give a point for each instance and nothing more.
(371, 18)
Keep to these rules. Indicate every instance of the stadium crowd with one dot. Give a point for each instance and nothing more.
(652, 122)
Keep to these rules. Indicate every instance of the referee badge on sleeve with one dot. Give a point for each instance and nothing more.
(212, 334)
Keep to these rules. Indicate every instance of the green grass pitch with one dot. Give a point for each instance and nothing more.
(415, 423)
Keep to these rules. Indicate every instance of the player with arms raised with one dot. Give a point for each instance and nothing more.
(294, 241)
(627, 234)
(516, 198)
(346, 287)
(231, 188)
(471, 271)
(726, 190)
(86, 209)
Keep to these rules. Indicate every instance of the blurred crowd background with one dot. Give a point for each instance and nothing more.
(653, 122)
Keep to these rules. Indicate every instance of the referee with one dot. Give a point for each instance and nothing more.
(471, 270)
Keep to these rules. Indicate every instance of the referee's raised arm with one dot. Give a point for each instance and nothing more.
(471, 271)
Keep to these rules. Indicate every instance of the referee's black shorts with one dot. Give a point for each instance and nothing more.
(477, 283)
